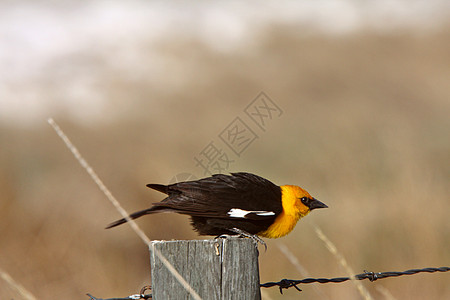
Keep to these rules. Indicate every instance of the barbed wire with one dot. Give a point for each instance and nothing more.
(142, 295)
(288, 283)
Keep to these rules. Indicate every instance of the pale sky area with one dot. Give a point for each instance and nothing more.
(36, 36)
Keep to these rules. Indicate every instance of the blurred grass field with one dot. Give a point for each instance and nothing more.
(365, 129)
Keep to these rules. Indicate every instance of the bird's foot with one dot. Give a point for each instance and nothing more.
(256, 239)
(223, 236)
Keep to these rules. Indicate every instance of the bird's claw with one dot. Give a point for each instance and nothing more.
(256, 239)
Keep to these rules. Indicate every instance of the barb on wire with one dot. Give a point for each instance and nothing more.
(141, 295)
(288, 283)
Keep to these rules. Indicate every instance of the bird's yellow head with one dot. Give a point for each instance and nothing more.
(298, 202)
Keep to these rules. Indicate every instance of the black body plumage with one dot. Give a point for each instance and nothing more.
(221, 202)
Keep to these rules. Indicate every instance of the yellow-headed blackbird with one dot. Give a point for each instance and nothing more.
(241, 203)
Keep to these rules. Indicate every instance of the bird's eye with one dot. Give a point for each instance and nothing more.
(304, 200)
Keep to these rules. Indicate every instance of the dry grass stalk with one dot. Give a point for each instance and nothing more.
(16, 286)
(120, 209)
(302, 270)
(343, 262)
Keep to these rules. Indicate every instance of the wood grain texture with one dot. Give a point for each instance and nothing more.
(215, 269)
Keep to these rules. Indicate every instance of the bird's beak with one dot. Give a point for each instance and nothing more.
(316, 204)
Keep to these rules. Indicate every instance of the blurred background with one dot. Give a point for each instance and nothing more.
(355, 110)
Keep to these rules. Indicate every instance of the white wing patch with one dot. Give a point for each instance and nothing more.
(264, 213)
(240, 213)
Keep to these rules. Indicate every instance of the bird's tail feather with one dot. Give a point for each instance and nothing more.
(135, 215)
(159, 187)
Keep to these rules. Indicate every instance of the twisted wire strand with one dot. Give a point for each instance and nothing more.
(372, 276)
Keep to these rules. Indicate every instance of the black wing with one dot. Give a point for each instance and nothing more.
(215, 196)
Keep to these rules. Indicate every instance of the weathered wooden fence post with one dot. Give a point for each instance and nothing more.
(215, 269)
